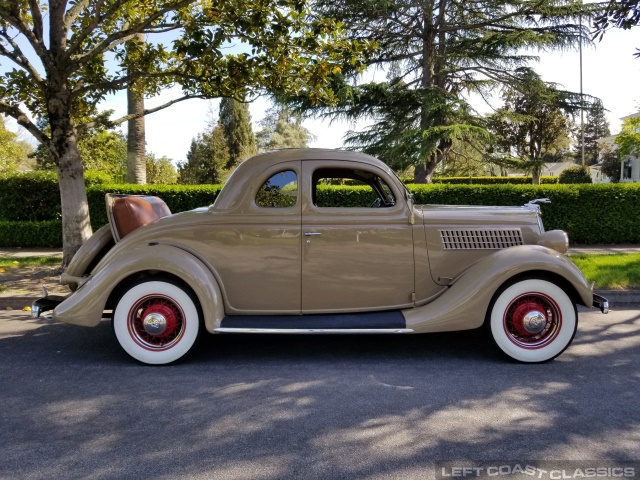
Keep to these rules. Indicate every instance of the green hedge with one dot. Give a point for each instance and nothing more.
(492, 180)
(590, 213)
(35, 196)
(31, 234)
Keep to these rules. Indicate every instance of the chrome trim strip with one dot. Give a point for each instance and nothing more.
(311, 234)
(313, 330)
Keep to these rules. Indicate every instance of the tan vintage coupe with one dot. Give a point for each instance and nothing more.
(274, 254)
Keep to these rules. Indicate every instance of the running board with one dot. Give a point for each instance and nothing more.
(361, 322)
(313, 330)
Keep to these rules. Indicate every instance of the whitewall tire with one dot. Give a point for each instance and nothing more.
(156, 322)
(533, 320)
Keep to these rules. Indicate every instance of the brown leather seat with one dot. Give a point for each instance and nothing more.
(128, 212)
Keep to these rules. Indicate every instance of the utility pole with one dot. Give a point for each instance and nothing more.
(581, 99)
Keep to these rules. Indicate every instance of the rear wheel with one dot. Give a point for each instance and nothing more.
(533, 320)
(156, 322)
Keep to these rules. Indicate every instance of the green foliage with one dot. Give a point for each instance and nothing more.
(532, 125)
(31, 234)
(61, 59)
(611, 165)
(12, 151)
(160, 171)
(207, 158)
(435, 54)
(493, 180)
(575, 174)
(595, 128)
(281, 128)
(628, 140)
(236, 125)
(576, 208)
(624, 14)
(100, 149)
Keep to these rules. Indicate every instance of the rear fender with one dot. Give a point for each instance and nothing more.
(87, 256)
(85, 306)
(464, 305)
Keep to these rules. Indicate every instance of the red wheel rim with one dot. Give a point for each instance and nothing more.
(532, 320)
(156, 322)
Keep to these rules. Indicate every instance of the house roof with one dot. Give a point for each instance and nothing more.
(556, 168)
(633, 115)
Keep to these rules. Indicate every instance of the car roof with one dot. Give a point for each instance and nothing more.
(257, 164)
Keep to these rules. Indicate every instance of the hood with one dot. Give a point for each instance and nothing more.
(473, 214)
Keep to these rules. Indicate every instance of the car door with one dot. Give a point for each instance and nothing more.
(256, 249)
(357, 257)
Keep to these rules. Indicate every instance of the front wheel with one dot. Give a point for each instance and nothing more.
(156, 322)
(533, 320)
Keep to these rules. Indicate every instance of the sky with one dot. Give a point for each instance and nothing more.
(610, 72)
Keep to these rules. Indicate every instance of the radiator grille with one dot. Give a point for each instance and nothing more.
(480, 239)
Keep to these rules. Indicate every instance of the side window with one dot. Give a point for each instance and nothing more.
(280, 191)
(370, 192)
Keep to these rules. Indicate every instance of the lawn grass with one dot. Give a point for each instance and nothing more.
(620, 271)
(14, 262)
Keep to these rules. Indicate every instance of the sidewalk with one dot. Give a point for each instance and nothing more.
(615, 297)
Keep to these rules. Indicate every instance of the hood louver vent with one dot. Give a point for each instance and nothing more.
(480, 239)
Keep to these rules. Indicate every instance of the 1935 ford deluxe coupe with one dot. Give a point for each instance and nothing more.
(275, 254)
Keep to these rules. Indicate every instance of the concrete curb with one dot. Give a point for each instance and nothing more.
(615, 297)
(16, 302)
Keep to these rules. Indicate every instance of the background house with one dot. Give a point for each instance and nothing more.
(630, 164)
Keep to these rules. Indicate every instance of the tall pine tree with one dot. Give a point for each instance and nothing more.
(236, 125)
(596, 126)
(436, 53)
(207, 158)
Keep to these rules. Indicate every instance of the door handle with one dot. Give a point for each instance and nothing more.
(312, 234)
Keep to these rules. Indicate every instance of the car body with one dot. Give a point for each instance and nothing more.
(276, 253)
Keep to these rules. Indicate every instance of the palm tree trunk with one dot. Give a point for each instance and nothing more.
(136, 142)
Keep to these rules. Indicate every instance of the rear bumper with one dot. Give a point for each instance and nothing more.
(601, 303)
(45, 304)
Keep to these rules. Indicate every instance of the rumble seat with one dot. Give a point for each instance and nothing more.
(129, 212)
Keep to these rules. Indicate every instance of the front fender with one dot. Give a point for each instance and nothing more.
(86, 305)
(464, 305)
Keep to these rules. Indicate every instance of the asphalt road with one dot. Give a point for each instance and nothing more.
(275, 407)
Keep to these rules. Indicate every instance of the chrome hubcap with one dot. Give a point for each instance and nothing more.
(534, 322)
(154, 324)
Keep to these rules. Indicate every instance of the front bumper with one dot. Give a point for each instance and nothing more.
(601, 303)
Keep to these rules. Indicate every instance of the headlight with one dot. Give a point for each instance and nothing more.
(556, 240)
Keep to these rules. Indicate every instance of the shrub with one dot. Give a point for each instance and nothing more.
(600, 213)
(492, 180)
(31, 234)
(576, 174)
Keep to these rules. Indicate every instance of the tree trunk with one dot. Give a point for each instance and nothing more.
(420, 174)
(136, 148)
(76, 227)
(535, 176)
(136, 142)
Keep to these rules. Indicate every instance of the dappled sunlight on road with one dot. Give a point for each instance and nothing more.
(393, 437)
